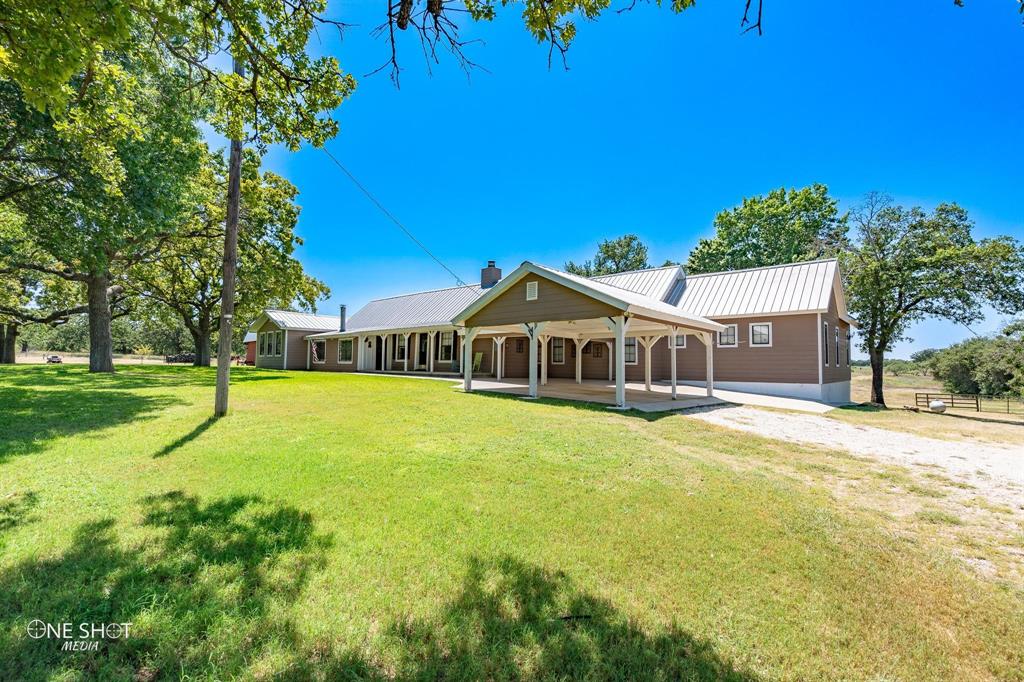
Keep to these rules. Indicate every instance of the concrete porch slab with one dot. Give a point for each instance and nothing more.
(603, 392)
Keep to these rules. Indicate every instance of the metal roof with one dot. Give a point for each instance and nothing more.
(434, 308)
(250, 338)
(289, 319)
(653, 282)
(793, 288)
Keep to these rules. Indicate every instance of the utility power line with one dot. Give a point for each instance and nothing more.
(392, 217)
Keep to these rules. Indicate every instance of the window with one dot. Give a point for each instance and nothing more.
(824, 340)
(598, 349)
(318, 352)
(849, 344)
(760, 334)
(727, 338)
(680, 340)
(519, 345)
(531, 291)
(630, 353)
(558, 350)
(837, 345)
(279, 344)
(399, 346)
(261, 338)
(345, 350)
(446, 346)
(271, 339)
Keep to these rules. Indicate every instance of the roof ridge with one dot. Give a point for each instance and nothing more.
(295, 312)
(764, 267)
(630, 272)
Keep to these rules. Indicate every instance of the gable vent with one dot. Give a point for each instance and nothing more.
(531, 291)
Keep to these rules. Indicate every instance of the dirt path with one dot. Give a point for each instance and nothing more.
(995, 471)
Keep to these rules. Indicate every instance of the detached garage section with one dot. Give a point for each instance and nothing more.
(281, 337)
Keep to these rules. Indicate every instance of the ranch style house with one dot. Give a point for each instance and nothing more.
(781, 330)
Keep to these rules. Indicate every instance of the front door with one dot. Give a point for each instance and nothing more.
(378, 358)
(421, 361)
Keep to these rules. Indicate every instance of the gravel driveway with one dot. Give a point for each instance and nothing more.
(997, 471)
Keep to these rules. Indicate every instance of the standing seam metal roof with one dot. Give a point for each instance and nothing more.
(793, 288)
(289, 319)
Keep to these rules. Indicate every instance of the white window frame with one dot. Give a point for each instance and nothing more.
(279, 343)
(557, 344)
(636, 350)
(824, 343)
(677, 339)
(771, 335)
(399, 347)
(259, 344)
(271, 339)
(323, 356)
(849, 346)
(735, 337)
(531, 291)
(450, 345)
(351, 351)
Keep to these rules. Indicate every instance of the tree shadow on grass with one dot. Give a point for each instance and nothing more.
(30, 418)
(199, 430)
(15, 510)
(127, 378)
(207, 592)
(513, 620)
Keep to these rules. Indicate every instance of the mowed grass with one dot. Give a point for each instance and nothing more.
(958, 424)
(354, 527)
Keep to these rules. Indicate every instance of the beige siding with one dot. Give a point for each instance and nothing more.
(269, 361)
(554, 303)
(792, 357)
(836, 369)
(331, 363)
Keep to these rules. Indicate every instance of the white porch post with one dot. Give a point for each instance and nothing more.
(384, 364)
(618, 325)
(467, 355)
(611, 354)
(462, 357)
(532, 332)
(580, 345)
(709, 361)
(648, 343)
(430, 351)
(672, 356)
(499, 357)
(408, 349)
(405, 358)
(543, 359)
(309, 348)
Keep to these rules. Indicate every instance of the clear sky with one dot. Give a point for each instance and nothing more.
(661, 121)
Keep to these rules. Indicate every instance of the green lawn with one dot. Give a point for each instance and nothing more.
(346, 527)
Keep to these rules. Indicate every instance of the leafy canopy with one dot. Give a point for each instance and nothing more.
(783, 226)
(906, 265)
(613, 255)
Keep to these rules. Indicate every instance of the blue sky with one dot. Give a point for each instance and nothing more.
(661, 121)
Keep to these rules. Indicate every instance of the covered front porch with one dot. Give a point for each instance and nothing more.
(543, 304)
(638, 397)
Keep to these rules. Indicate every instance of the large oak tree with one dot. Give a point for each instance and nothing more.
(906, 265)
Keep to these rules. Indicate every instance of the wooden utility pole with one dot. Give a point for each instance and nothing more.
(227, 304)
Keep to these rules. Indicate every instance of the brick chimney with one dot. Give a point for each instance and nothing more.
(489, 276)
(341, 319)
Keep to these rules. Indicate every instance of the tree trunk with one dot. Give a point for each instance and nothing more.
(8, 343)
(227, 304)
(877, 357)
(101, 345)
(201, 337)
